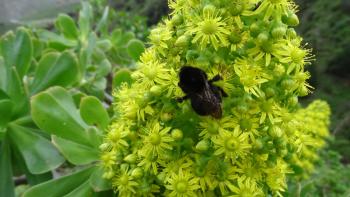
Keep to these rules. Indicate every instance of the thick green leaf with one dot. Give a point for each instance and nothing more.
(93, 112)
(6, 183)
(67, 26)
(3, 74)
(57, 41)
(17, 93)
(103, 68)
(56, 69)
(135, 48)
(17, 50)
(21, 167)
(6, 107)
(85, 17)
(38, 153)
(75, 153)
(102, 24)
(104, 44)
(54, 111)
(122, 76)
(62, 186)
(97, 182)
(83, 190)
(96, 136)
(120, 39)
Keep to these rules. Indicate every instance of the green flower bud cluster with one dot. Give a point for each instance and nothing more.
(158, 146)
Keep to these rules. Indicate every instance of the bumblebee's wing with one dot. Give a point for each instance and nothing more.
(206, 103)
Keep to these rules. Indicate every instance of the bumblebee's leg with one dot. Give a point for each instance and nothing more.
(215, 78)
(180, 100)
(218, 78)
(223, 93)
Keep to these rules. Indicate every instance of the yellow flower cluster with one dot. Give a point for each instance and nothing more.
(157, 146)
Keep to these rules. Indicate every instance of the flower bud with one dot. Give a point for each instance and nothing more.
(177, 19)
(156, 90)
(237, 8)
(166, 116)
(292, 101)
(291, 33)
(182, 41)
(263, 38)
(303, 91)
(137, 173)
(202, 146)
(254, 30)
(293, 20)
(209, 9)
(270, 92)
(177, 134)
(278, 32)
(130, 158)
(108, 175)
(104, 146)
(288, 84)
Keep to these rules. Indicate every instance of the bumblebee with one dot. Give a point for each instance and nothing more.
(205, 97)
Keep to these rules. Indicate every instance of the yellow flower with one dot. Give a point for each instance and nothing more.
(273, 8)
(212, 127)
(151, 73)
(292, 53)
(124, 183)
(276, 177)
(231, 144)
(182, 184)
(246, 188)
(250, 75)
(209, 28)
(247, 123)
(159, 38)
(238, 39)
(156, 140)
(117, 135)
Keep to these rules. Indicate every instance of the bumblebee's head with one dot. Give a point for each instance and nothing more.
(192, 79)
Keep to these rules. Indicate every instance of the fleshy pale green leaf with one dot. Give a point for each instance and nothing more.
(83, 190)
(54, 111)
(85, 17)
(135, 48)
(75, 153)
(38, 153)
(122, 76)
(3, 74)
(19, 162)
(93, 112)
(16, 92)
(102, 24)
(17, 50)
(103, 68)
(56, 69)
(6, 107)
(97, 182)
(6, 183)
(67, 26)
(56, 41)
(62, 186)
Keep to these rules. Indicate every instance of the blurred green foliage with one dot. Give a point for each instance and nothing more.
(54, 98)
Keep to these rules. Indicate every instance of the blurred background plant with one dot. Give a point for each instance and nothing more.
(101, 48)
